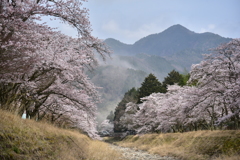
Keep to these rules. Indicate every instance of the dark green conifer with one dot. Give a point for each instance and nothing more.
(150, 85)
(110, 117)
(130, 96)
(173, 77)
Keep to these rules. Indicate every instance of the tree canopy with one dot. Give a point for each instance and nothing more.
(130, 96)
(173, 77)
(150, 85)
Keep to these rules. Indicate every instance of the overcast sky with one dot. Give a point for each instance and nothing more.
(130, 20)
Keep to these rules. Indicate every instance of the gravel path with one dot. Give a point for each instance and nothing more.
(131, 154)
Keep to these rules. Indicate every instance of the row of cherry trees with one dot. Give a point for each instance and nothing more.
(42, 71)
(210, 101)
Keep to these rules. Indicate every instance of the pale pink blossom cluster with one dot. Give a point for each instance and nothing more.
(48, 66)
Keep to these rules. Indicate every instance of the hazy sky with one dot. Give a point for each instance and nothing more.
(130, 20)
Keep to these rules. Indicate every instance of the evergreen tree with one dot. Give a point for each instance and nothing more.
(185, 78)
(110, 117)
(172, 78)
(150, 85)
(130, 96)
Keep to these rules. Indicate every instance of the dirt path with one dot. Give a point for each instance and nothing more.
(131, 154)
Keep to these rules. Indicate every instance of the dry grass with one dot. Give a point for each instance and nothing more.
(26, 139)
(101, 151)
(200, 145)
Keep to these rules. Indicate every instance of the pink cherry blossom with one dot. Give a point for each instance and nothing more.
(43, 71)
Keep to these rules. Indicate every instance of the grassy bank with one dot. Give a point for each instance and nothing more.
(200, 145)
(28, 140)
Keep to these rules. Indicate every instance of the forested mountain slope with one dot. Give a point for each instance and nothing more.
(114, 82)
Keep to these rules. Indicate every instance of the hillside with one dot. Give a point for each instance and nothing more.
(23, 139)
(121, 48)
(199, 145)
(149, 64)
(114, 82)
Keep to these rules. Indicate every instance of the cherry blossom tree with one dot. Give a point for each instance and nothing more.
(127, 119)
(176, 110)
(162, 112)
(218, 78)
(106, 125)
(21, 35)
(43, 71)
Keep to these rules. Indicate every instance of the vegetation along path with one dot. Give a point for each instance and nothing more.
(134, 154)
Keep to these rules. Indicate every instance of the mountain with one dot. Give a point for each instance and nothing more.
(115, 45)
(177, 39)
(173, 40)
(177, 44)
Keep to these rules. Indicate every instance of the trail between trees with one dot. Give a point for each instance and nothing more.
(131, 154)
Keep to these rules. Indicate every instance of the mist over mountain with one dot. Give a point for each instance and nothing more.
(149, 64)
(175, 48)
(114, 82)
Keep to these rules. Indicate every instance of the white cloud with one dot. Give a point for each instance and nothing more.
(111, 26)
(209, 28)
(144, 30)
